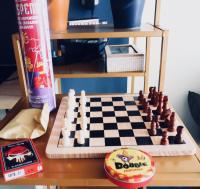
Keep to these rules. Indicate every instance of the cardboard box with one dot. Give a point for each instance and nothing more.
(19, 159)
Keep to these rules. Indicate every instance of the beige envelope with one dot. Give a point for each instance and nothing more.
(28, 123)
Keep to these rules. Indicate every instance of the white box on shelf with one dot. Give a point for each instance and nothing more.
(124, 58)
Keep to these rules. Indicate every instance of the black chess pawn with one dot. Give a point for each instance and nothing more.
(149, 114)
(153, 130)
(164, 139)
(178, 138)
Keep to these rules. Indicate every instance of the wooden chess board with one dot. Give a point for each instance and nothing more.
(113, 122)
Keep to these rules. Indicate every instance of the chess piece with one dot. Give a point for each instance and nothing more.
(178, 138)
(171, 123)
(83, 110)
(67, 124)
(153, 130)
(159, 107)
(155, 119)
(160, 96)
(149, 114)
(81, 137)
(150, 92)
(84, 123)
(165, 99)
(70, 115)
(141, 97)
(153, 96)
(83, 98)
(146, 106)
(65, 134)
(144, 103)
(164, 139)
(156, 100)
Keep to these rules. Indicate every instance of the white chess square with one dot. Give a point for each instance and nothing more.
(109, 119)
(111, 133)
(140, 132)
(107, 108)
(128, 141)
(121, 113)
(135, 119)
(95, 142)
(96, 114)
(95, 104)
(128, 98)
(70, 144)
(132, 107)
(96, 127)
(148, 125)
(124, 126)
(118, 103)
(156, 140)
(86, 134)
(106, 99)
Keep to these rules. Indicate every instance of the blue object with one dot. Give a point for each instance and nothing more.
(127, 13)
(95, 85)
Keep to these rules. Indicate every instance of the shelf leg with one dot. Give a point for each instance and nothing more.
(59, 85)
(163, 60)
(147, 63)
(132, 84)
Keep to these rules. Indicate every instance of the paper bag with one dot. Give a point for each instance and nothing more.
(28, 123)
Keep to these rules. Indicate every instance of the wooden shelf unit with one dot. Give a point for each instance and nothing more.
(68, 71)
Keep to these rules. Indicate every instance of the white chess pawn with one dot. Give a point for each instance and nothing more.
(81, 137)
(83, 98)
(68, 124)
(66, 134)
(84, 123)
(70, 115)
(82, 111)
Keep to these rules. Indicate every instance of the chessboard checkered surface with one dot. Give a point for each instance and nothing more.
(113, 122)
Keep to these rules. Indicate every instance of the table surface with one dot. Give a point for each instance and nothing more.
(170, 171)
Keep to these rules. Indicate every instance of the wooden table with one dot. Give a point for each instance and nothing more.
(170, 171)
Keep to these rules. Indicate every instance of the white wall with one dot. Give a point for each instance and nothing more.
(181, 17)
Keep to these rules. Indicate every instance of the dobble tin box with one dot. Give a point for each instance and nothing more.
(129, 168)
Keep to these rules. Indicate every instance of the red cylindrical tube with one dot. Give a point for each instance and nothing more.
(33, 24)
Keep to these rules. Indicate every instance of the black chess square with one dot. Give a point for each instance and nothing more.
(87, 104)
(88, 114)
(95, 99)
(138, 125)
(112, 141)
(163, 125)
(126, 133)
(76, 109)
(107, 103)
(117, 99)
(140, 107)
(159, 132)
(97, 134)
(72, 134)
(86, 144)
(96, 109)
(145, 118)
(120, 108)
(77, 99)
(122, 119)
(96, 120)
(133, 113)
(143, 140)
(110, 126)
(129, 103)
(109, 114)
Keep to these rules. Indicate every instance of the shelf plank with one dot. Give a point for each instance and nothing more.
(88, 70)
(106, 31)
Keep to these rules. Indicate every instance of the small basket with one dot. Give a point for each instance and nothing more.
(124, 58)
